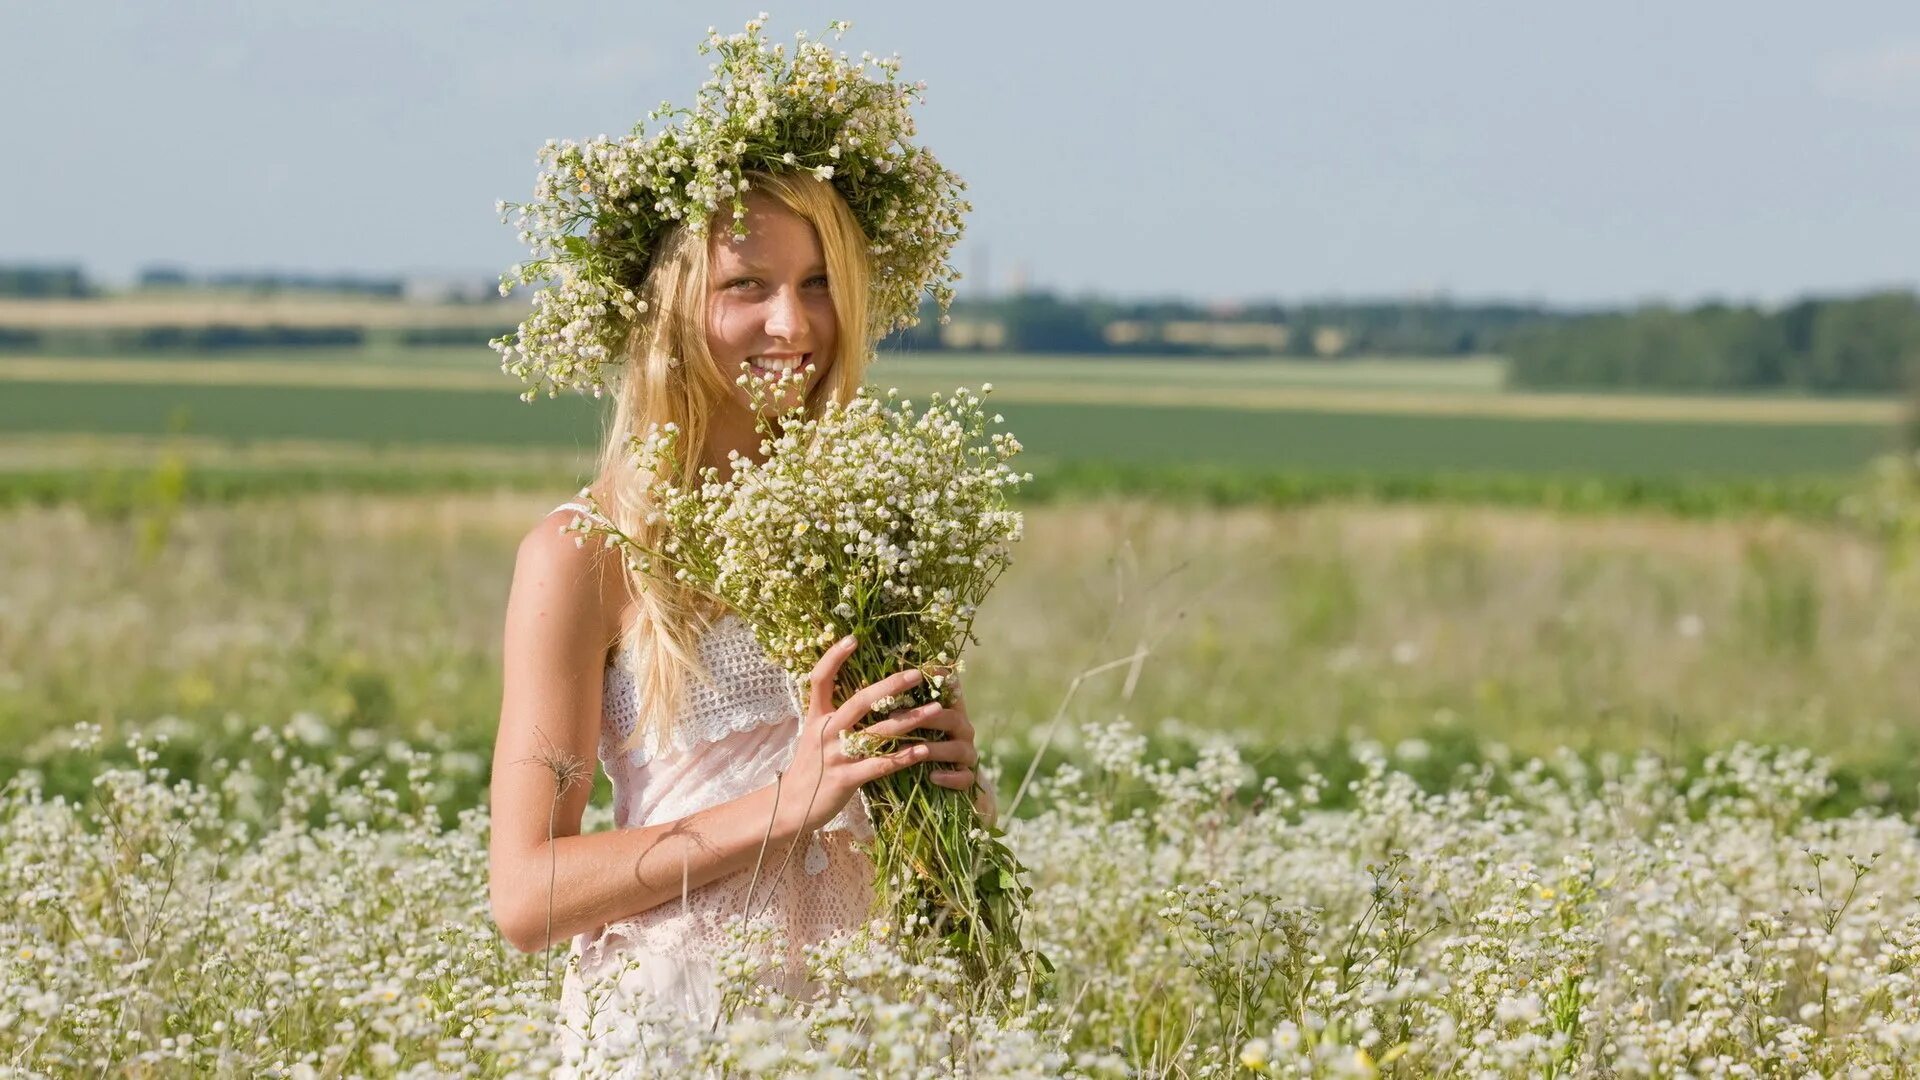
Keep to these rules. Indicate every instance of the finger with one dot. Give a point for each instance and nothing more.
(957, 751)
(862, 703)
(932, 716)
(873, 768)
(962, 723)
(958, 756)
(825, 672)
(958, 779)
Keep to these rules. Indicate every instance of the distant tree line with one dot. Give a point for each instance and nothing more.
(69, 282)
(1863, 344)
(44, 282)
(1044, 322)
(267, 283)
(1866, 343)
(217, 337)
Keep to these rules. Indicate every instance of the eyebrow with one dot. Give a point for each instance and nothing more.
(758, 268)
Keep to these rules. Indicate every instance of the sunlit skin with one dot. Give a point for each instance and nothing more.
(768, 299)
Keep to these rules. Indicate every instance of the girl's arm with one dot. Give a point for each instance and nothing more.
(546, 881)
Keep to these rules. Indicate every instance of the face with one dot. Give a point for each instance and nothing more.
(768, 299)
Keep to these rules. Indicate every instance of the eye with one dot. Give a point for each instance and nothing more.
(818, 281)
(743, 283)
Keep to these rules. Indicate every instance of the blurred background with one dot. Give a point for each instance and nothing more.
(1478, 382)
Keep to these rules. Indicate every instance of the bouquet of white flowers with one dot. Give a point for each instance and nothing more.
(872, 520)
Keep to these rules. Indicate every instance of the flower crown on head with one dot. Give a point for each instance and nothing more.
(601, 207)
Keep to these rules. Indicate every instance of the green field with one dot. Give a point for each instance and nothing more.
(1389, 416)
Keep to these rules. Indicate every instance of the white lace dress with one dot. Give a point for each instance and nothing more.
(731, 737)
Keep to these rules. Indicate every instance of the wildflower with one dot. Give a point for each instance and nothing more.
(762, 108)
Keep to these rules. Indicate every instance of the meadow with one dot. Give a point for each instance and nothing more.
(1384, 416)
(1408, 741)
(1295, 629)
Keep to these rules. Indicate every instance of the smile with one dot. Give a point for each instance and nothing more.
(778, 363)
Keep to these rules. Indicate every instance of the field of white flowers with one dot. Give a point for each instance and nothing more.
(1321, 850)
(298, 916)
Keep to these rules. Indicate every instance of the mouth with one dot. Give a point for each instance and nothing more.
(774, 365)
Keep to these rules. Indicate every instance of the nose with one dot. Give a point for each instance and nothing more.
(786, 315)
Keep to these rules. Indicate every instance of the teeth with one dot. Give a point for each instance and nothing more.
(776, 363)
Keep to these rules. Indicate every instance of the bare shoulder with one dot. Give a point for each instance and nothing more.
(577, 582)
(550, 542)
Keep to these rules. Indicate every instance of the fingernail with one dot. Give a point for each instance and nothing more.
(845, 641)
(912, 677)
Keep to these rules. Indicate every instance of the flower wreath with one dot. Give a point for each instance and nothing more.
(601, 207)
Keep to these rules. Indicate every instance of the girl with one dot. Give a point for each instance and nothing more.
(730, 795)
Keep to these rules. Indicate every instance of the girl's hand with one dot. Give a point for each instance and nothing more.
(822, 777)
(950, 720)
(958, 728)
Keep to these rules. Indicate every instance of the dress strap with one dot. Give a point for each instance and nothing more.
(579, 507)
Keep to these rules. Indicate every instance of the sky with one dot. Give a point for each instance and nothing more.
(1745, 150)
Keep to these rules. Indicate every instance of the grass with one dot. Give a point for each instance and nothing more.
(125, 476)
(1302, 629)
(1129, 433)
(1442, 387)
(373, 416)
(1386, 416)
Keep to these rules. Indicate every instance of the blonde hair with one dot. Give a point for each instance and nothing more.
(668, 376)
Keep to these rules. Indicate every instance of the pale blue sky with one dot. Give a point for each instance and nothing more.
(1610, 152)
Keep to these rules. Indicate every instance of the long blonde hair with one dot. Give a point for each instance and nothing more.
(669, 377)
